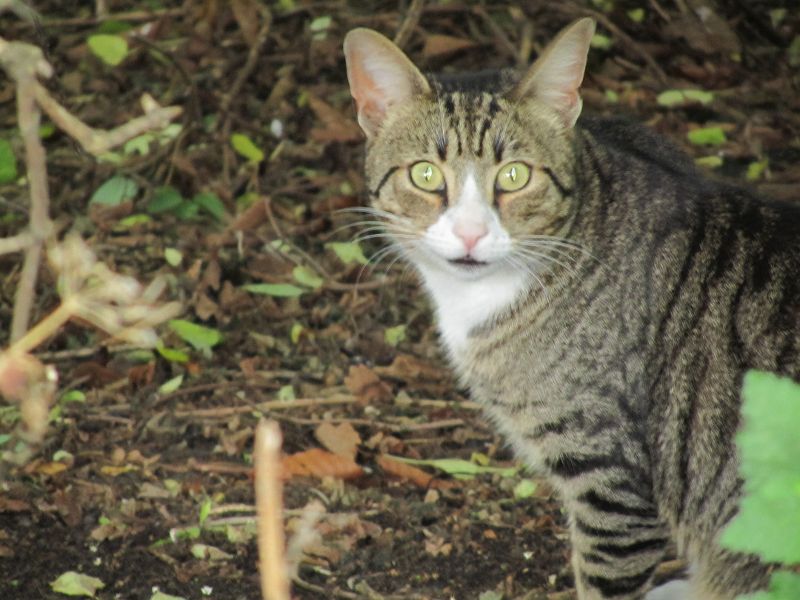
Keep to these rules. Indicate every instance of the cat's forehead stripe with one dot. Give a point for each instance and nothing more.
(468, 117)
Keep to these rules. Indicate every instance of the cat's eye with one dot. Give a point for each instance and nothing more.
(427, 176)
(512, 177)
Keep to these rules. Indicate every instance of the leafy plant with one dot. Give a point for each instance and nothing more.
(768, 523)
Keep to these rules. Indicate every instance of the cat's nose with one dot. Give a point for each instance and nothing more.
(470, 233)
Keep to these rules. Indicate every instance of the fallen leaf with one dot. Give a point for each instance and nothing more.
(335, 126)
(395, 468)
(72, 583)
(247, 16)
(442, 45)
(320, 463)
(341, 439)
(364, 383)
(406, 367)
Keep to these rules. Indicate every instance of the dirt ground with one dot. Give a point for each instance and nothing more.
(148, 488)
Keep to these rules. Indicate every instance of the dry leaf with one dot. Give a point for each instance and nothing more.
(395, 468)
(320, 463)
(335, 126)
(340, 439)
(442, 45)
(247, 16)
(406, 367)
(364, 383)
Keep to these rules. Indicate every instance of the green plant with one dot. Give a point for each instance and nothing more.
(768, 523)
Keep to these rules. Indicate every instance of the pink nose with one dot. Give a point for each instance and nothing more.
(470, 233)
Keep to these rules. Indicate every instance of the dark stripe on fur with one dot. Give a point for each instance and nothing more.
(619, 586)
(384, 179)
(612, 506)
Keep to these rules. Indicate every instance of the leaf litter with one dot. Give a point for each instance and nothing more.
(150, 474)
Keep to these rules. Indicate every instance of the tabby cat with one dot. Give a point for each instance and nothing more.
(595, 292)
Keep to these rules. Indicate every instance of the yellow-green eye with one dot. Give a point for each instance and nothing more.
(513, 176)
(427, 176)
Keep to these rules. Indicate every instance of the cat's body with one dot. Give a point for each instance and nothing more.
(604, 312)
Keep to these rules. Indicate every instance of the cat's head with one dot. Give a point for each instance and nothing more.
(468, 176)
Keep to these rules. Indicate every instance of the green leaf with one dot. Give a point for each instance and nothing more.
(783, 585)
(710, 162)
(777, 15)
(279, 290)
(139, 145)
(707, 136)
(307, 277)
(348, 252)
(158, 595)
(794, 51)
(111, 49)
(636, 15)
(72, 396)
(601, 42)
(205, 510)
(72, 583)
(394, 335)
(320, 24)
(296, 332)
(172, 355)
(768, 522)
(165, 199)
(186, 210)
(286, 394)
(173, 256)
(245, 146)
(524, 489)
(115, 191)
(132, 221)
(171, 385)
(211, 204)
(672, 98)
(112, 26)
(8, 162)
(490, 595)
(202, 338)
(46, 130)
(756, 169)
(700, 96)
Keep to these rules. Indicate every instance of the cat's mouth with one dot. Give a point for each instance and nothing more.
(467, 261)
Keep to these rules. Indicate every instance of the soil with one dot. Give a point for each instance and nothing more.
(150, 489)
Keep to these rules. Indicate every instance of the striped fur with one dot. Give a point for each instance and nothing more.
(618, 372)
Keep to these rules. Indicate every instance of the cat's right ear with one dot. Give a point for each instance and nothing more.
(556, 76)
(380, 76)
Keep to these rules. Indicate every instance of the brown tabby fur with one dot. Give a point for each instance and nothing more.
(618, 374)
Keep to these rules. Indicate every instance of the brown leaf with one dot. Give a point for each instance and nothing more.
(140, 375)
(406, 367)
(335, 126)
(401, 470)
(97, 375)
(320, 463)
(13, 505)
(365, 384)
(342, 439)
(442, 45)
(248, 18)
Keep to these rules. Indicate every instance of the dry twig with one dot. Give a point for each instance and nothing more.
(269, 506)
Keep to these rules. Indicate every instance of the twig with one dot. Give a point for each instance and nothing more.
(252, 60)
(499, 35)
(14, 244)
(269, 507)
(624, 38)
(226, 411)
(409, 23)
(23, 63)
(98, 141)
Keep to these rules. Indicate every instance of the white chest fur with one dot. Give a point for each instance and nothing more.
(461, 305)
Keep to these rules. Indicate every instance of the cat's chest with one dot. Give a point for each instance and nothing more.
(462, 305)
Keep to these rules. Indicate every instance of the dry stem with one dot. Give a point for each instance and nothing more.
(269, 506)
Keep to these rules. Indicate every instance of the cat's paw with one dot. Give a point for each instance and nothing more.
(674, 590)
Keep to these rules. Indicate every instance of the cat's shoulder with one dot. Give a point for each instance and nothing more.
(633, 139)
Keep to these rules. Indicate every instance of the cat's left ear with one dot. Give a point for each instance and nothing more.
(557, 74)
(380, 76)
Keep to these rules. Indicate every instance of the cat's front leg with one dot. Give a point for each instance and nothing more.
(617, 545)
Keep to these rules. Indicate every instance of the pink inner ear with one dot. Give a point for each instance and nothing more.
(368, 96)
